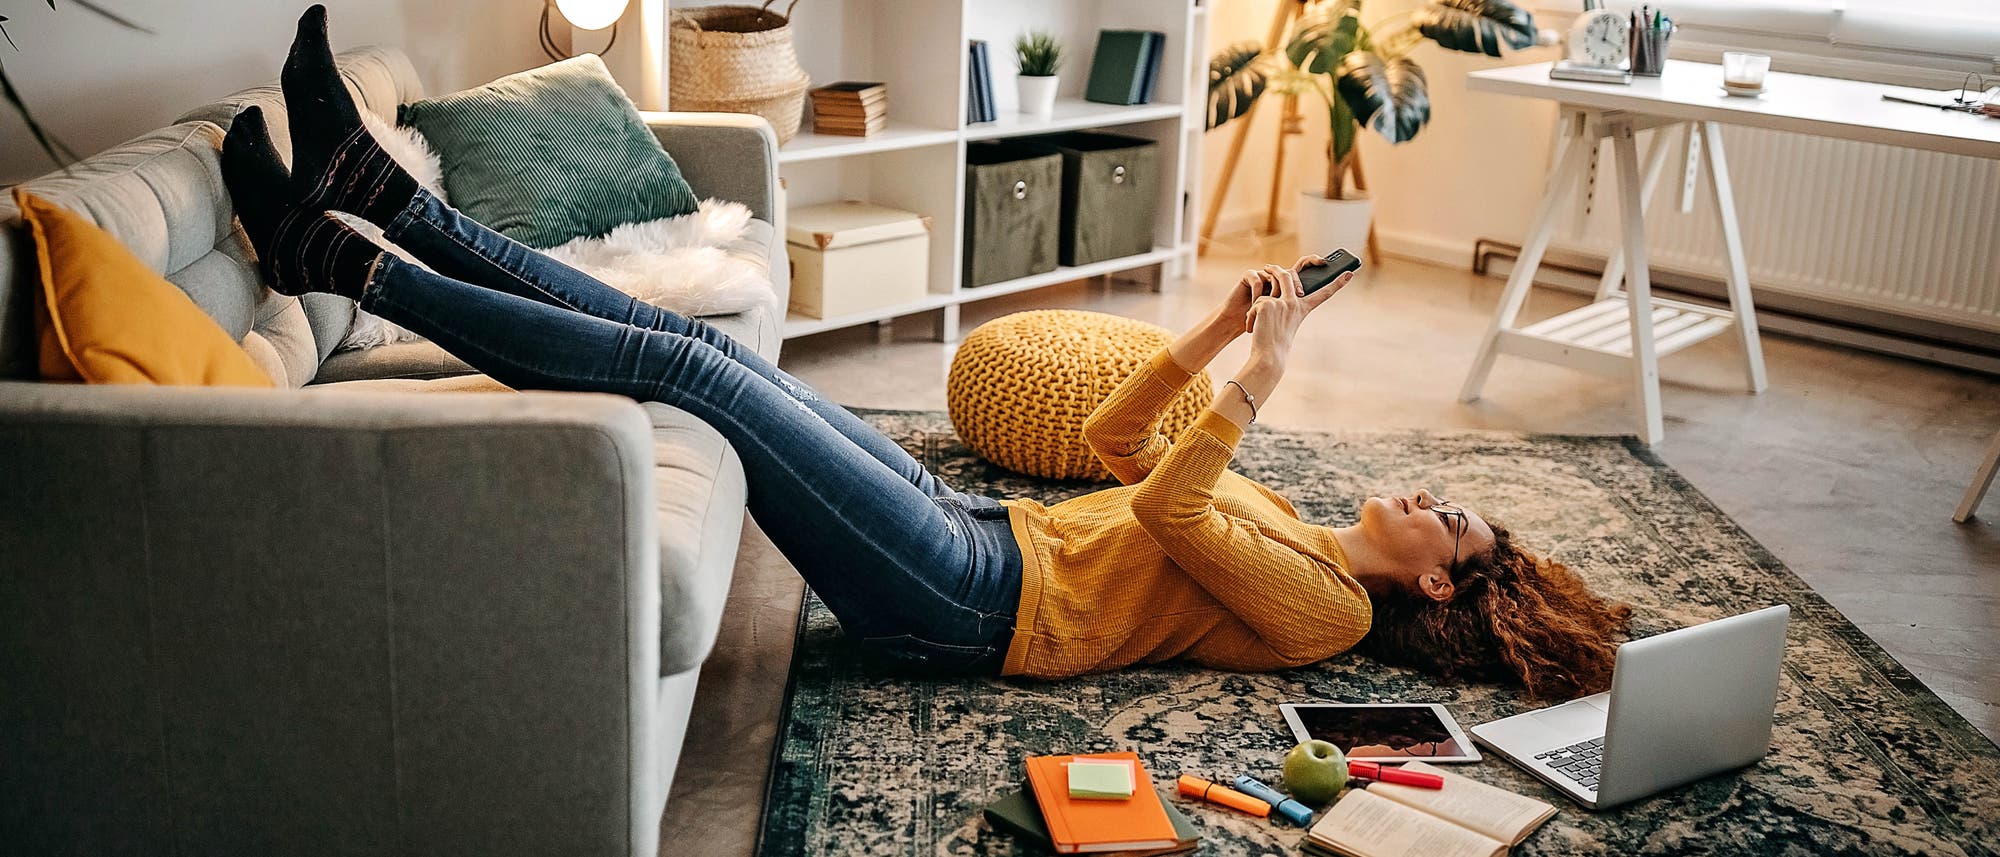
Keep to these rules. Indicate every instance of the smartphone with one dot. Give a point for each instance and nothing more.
(1337, 262)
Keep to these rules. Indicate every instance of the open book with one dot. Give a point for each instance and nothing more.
(1466, 818)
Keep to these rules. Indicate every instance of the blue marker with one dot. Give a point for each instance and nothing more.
(1281, 806)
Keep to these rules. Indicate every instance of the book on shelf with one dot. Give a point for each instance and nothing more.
(837, 129)
(1157, 48)
(851, 107)
(1125, 66)
(979, 101)
(1017, 814)
(1079, 826)
(1466, 818)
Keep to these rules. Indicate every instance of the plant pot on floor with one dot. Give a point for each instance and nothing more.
(1326, 225)
(1038, 95)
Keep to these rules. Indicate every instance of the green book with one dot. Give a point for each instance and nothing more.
(1118, 71)
(1018, 814)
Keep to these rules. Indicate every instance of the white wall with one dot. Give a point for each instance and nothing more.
(96, 84)
(1476, 171)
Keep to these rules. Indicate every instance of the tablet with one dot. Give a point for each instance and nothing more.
(1383, 732)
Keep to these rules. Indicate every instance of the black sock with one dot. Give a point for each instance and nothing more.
(299, 248)
(336, 163)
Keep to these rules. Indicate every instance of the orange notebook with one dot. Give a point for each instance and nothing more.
(1088, 826)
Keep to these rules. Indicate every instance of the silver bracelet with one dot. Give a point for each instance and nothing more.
(1247, 398)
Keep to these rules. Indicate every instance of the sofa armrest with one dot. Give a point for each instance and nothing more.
(283, 618)
(728, 156)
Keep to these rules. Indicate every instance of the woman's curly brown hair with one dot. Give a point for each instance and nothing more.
(1513, 616)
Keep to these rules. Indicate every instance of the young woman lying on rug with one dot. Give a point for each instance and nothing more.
(1187, 560)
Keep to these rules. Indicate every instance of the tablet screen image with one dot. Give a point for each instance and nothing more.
(1387, 732)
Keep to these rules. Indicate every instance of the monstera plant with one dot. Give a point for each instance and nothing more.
(1364, 72)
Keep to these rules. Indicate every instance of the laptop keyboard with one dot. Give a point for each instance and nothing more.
(1579, 761)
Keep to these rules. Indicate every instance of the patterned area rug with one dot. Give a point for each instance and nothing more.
(1865, 759)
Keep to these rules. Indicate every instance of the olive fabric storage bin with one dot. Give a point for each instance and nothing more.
(1111, 195)
(850, 257)
(1013, 205)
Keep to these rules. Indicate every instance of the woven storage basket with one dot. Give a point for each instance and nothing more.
(737, 59)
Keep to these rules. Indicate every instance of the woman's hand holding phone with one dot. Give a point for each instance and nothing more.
(1260, 282)
(1275, 316)
(1269, 303)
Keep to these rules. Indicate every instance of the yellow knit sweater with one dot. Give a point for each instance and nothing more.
(1186, 560)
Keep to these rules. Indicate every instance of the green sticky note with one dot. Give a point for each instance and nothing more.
(1100, 780)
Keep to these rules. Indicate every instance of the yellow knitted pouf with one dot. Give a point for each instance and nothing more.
(1022, 385)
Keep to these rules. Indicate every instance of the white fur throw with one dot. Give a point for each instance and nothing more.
(678, 263)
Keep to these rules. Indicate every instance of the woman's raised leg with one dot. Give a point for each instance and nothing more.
(890, 560)
(463, 249)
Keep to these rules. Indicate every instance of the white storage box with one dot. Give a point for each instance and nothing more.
(850, 257)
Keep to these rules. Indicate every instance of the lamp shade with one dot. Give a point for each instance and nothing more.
(591, 14)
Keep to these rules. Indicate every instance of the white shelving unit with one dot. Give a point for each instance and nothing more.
(918, 47)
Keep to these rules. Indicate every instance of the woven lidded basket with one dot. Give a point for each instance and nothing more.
(737, 59)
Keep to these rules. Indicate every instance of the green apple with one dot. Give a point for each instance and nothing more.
(1315, 772)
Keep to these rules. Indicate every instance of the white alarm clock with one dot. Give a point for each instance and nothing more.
(1600, 38)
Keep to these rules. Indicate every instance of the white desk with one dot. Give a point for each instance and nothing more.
(1626, 332)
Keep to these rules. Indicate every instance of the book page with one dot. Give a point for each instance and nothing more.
(1365, 825)
(1491, 810)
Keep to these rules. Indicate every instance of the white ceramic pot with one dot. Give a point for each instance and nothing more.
(1038, 95)
(1326, 225)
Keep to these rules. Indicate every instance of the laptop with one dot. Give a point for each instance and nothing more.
(1682, 705)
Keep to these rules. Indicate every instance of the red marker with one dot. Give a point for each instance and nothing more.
(1376, 771)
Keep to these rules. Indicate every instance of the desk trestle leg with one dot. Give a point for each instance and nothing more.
(1624, 334)
(1656, 163)
(1638, 280)
(1981, 481)
(1732, 242)
(1578, 148)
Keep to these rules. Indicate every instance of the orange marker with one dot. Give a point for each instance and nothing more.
(1203, 790)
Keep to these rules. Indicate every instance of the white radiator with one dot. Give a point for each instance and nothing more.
(1879, 229)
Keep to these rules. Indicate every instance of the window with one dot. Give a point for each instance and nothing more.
(1962, 34)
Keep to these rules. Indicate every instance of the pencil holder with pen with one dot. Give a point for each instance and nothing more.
(1649, 50)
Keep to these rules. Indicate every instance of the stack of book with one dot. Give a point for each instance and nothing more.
(850, 108)
(979, 100)
(1466, 818)
(1095, 818)
(1126, 66)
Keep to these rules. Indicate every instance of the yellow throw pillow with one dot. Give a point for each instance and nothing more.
(104, 317)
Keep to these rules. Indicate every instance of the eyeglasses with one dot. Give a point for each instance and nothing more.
(1447, 512)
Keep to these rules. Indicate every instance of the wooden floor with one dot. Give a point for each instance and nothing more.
(1847, 468)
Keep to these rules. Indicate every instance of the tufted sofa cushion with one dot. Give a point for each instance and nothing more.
(161, 194)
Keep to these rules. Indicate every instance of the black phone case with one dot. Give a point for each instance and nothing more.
(1337, 262)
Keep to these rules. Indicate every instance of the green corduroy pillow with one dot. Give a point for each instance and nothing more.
(550, 154)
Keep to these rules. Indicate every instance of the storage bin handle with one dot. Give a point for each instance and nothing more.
(1020, 189)
(1118, 174)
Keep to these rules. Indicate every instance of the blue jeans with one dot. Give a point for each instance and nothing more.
(927, 576)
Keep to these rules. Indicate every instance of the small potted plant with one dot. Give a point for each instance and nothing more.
(1039, 56)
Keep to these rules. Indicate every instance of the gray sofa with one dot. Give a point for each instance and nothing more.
(388, 608)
